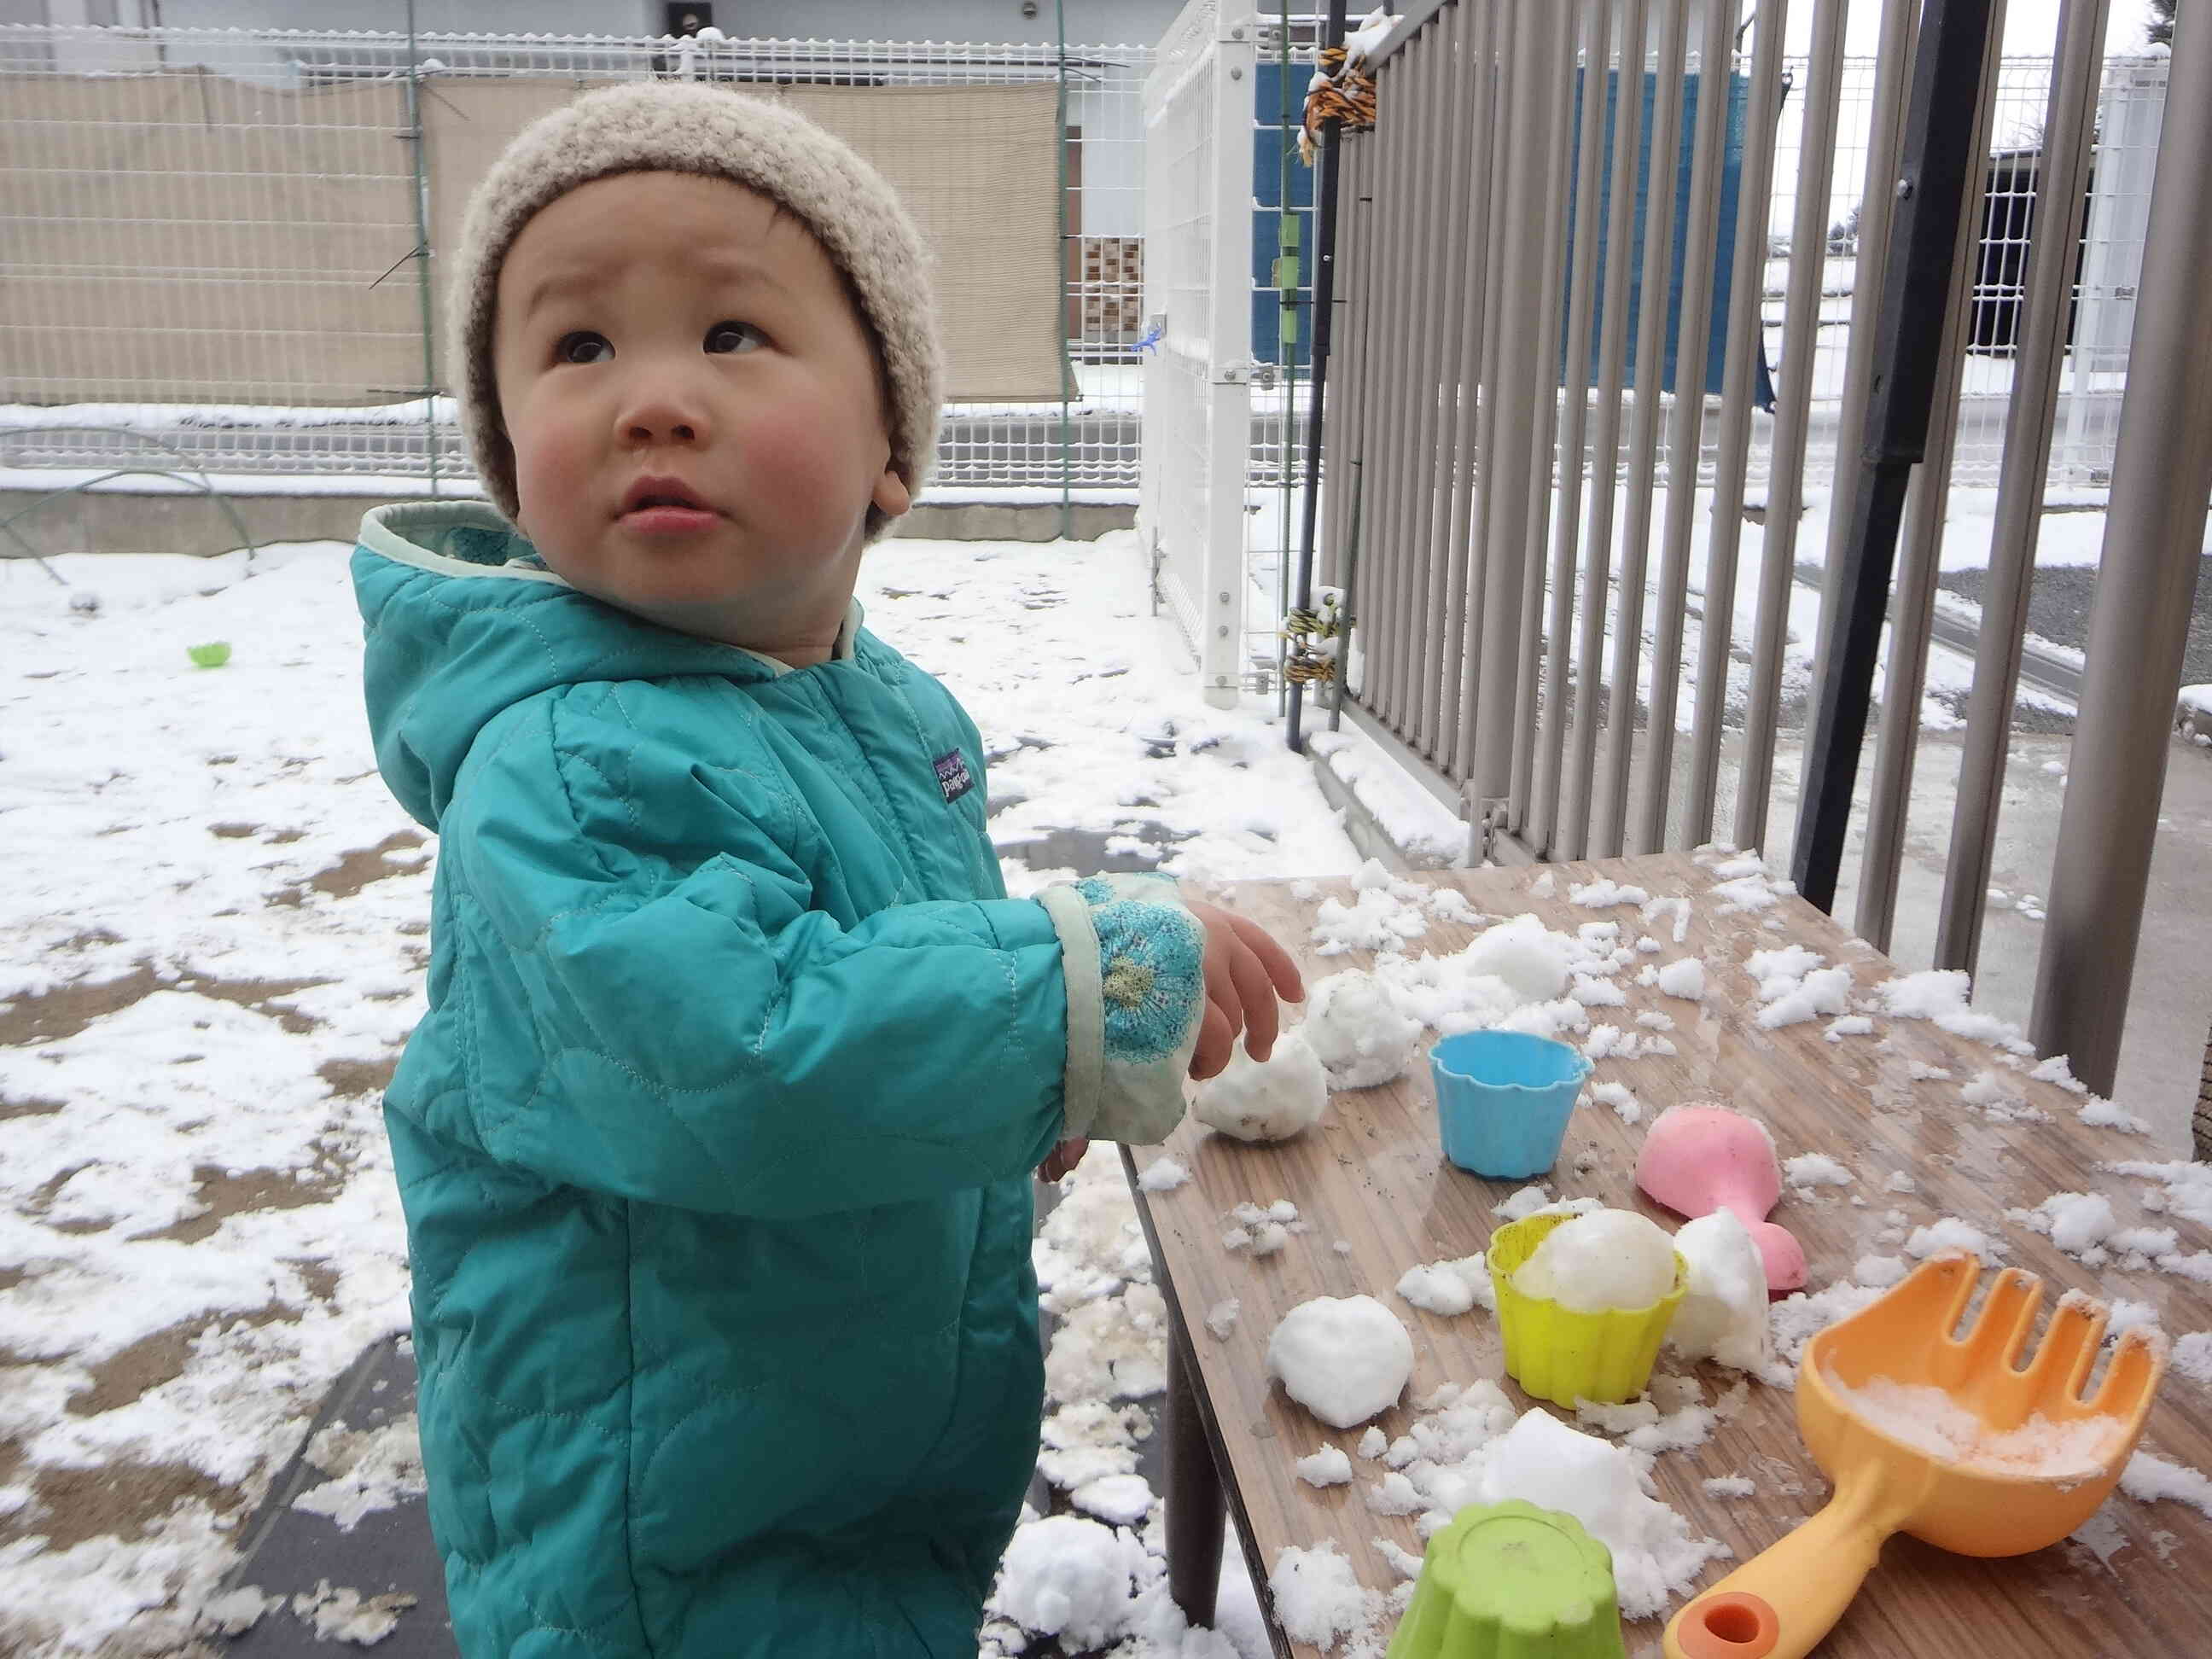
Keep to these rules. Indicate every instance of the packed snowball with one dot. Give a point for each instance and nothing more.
(1265, 1100)
(1344, 1359)
(1595, 1263)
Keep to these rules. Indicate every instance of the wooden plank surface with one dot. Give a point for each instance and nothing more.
(1372, 1174)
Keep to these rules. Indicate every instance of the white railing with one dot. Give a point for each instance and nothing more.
(1198, 211)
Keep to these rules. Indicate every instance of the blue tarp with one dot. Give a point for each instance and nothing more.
(1266, 189)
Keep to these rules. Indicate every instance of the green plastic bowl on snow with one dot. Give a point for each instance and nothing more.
(209, 656)
(1510, 1581)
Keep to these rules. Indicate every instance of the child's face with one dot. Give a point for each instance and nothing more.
(665, 326)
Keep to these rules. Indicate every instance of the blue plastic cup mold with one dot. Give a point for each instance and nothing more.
(1502, 1100)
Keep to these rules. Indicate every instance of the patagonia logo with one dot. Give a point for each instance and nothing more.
(953, 776)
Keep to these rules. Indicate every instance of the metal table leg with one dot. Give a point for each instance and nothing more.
(1196, 1501)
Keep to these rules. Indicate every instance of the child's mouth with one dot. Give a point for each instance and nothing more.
(668, 520)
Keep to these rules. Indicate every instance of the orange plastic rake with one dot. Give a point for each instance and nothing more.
(1782, 1602)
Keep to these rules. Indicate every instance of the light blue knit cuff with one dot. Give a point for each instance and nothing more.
(1133, 959)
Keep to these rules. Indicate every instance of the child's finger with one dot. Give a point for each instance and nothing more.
(1262, 1018)
(1289, 985)
(1221, 980)
(1216, 1038)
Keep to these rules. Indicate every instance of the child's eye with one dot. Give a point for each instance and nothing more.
(582, 347)
(732, 336)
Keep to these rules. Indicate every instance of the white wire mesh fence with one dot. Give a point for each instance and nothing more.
(212, 241)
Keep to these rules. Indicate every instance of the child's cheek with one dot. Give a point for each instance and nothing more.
(549, 468)
(799, 461)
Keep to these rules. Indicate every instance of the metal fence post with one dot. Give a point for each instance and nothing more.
(2154, 533)
(1931, 191)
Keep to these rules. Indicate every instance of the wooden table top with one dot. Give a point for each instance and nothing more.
(1372, 1173)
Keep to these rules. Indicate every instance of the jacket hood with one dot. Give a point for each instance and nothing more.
(462, 619)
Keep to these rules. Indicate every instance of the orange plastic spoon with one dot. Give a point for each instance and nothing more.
(1782, 1602)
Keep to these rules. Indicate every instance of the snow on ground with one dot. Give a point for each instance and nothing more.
(2068, 539)
(211, 946)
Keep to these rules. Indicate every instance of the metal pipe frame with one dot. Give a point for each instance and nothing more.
(1900, 27)
(1605, 460)
(1644, 429)
(1340, 418)
(1685, 431)
(1940, 179)
(1732, 464)
(1560, 66)
(1786, 489)
(2062, 178)
(2154, 531)
(1597, 41)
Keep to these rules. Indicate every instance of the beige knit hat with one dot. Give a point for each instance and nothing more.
(683, 127)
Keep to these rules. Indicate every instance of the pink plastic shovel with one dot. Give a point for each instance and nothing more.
(1698, 1159)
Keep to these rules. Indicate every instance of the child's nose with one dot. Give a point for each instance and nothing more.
(664, 415)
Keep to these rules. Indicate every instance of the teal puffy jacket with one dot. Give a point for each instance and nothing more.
(714, 1143)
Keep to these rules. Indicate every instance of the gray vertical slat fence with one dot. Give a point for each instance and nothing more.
(1605, 461)
(1686, 428)
(1505, 465)
(1501, 616)
(1494, 122)
(1464, 350)
(1732, 463)
(2154, 533)
(1451, 128)
(1642, 431)
(1581, 311)
(1559, 51)
(1786, 492)
(2062, 181)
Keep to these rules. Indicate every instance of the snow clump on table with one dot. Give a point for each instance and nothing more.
(1265, 1100)
(1722, 1317)
(1475, 1449)
(1598, 1263)
(1358, 1033)
(1319, 1599)
(1449, 1287)
(1343, 1358)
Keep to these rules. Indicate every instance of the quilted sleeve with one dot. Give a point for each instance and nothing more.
(675, 1024)
(1134, 960)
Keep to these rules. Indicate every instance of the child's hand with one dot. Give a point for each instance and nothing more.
(1065, 1156)
(1245, 972)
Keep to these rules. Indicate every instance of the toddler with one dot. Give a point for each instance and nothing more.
(715, 1141)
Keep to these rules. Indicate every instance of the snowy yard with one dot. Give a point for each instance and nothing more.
(214, 934)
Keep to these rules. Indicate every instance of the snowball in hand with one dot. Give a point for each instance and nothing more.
(1358, 1031)
(1265, 1100)
(1598, 1263)
(1343, 1359)
(1723, 1311)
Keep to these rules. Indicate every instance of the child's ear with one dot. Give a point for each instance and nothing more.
(892, 497)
